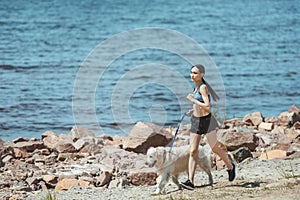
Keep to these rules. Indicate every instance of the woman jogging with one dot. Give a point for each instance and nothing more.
(202, 123)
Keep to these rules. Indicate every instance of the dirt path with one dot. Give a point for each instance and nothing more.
(267, 180)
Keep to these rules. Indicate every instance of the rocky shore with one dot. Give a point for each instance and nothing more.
(80, 165)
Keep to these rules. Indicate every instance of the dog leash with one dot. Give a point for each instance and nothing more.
(181, 119)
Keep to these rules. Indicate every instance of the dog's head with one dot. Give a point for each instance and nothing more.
(155, 156)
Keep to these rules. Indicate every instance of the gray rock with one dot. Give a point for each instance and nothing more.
(242, 154)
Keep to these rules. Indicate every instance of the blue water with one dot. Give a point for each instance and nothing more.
(255, 45)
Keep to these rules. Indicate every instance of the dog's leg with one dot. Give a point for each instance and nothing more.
(158, 181)
(210, 177)
(161, 184)
(206, 166)
(175, 180)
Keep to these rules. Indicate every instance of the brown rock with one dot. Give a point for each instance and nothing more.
(273, 154)
(83, 183)
(294, 148)
(255, 118)
(50, 179)
(4, 151)
(265, 126)
(285, 118)
(68, 183)
(7, 158)
(143, 177)
(278, 129)
(265, 139)
(292, 133)
(45, 152)
(234, 122)
(80, 132)
(296, 125)
(43, 186)
(72, 156)
(91, 149)
(79, 144)
(87, 178)
(20, 139)
(29, 146)
(118, 141)
(65, 147)
(50, 139)
(144, 135)
(103, 179)
(113, 157)
(20, 154)
(294, 109)
(32, 180)
(234, 140)
(82, 142)
(273, 120)
(51, 159)
(47, 133)
(281, 141)
(65, 144)
(103, 140)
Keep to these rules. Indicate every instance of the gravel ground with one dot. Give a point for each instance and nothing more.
(269, 180)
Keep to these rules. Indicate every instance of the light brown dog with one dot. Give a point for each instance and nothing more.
(171, 164)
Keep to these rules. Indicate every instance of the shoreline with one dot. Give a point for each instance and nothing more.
(78, 164)
(65, 130)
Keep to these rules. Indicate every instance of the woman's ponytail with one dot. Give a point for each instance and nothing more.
(211, 91)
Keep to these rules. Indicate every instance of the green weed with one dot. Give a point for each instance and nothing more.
(50, 196)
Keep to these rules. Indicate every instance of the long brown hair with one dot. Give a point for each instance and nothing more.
(201, 69)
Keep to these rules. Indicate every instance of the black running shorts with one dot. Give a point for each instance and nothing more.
(203, 125)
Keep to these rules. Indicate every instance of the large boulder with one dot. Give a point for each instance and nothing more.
(236, 139)
(144, 135)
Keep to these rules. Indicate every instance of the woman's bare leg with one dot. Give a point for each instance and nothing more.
(194, 147)
(214, 144)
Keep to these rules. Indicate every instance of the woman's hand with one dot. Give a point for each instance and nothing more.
(190, 112)
(190, 97)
